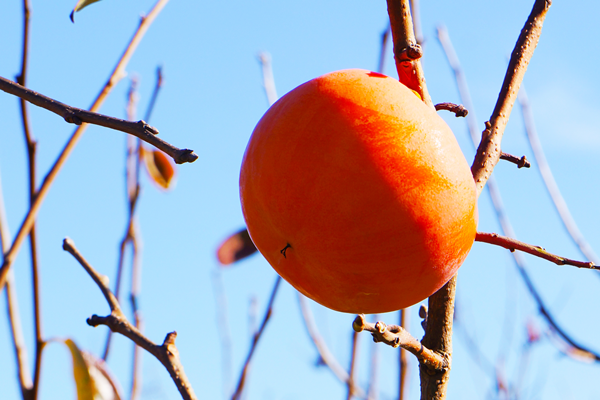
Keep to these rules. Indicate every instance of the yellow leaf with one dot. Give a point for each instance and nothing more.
(160, 167)
(92, 377)
(81, 4)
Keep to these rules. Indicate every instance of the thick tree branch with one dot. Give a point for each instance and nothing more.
(488, 152)
(396, 336)
(115, 76)
(166, 353)
(406, 50)
(499, 207)
(513, 244)
(438, 337)
(78, 116)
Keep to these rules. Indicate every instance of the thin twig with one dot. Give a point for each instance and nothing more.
(157, 87)
(407, 51)
(223, 328)
(513, 244)
(133, 160)
(496, 198)
(79, 116)
(326, 356)
(31, 146)
(353, 368)
(166, 353)
(416, 18)
(458, 109)
(557, 199)
(520, 264)
(115, 76)
(488, 152)
(473, 348)
(396, 336)
(373, 389)
(240, 386)
(20, 349)
(521, 162)
(403, 360)
(267, 74)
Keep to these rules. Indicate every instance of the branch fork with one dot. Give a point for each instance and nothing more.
(166, 353)
(396, 336)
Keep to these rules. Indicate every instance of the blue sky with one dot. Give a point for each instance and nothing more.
(211, 101)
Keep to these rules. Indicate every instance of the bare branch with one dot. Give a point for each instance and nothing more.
(326, 356)
(520, 162)
(505, 224)
(406, 50)
(240, 386)
(373, 390)
(403, 359)
(267, 73)
(353, 368)
(396, 336)
(488, 152)
(115, 76)
(157, 87)
(384, 42)
(457, 109)
(31, 146)
(438, 337)
(78, 116)
(416, 18)
(550, 182)
(19, 347)
(133, 161)
(166, 353)
(513, 244)
(100, 280)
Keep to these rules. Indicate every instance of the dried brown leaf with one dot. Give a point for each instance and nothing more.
(160, 167)
(81, 4)
(236, 247)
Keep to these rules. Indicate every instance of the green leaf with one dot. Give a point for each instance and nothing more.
(81, 4)
(92, 378)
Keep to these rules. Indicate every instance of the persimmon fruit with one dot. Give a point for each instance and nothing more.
(358, 194)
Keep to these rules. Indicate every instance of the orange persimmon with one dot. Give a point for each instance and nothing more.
(358, 194)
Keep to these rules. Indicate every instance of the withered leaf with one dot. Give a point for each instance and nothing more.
(236, 247)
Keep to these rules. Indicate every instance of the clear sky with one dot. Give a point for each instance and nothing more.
(211, 100)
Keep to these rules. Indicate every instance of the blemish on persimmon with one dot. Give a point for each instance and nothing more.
(288, 246)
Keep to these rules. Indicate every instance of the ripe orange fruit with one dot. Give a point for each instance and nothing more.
(358, 194)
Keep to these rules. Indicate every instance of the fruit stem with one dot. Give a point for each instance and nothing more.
(407, 51)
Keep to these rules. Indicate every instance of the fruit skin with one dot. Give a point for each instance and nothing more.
(358, 194)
